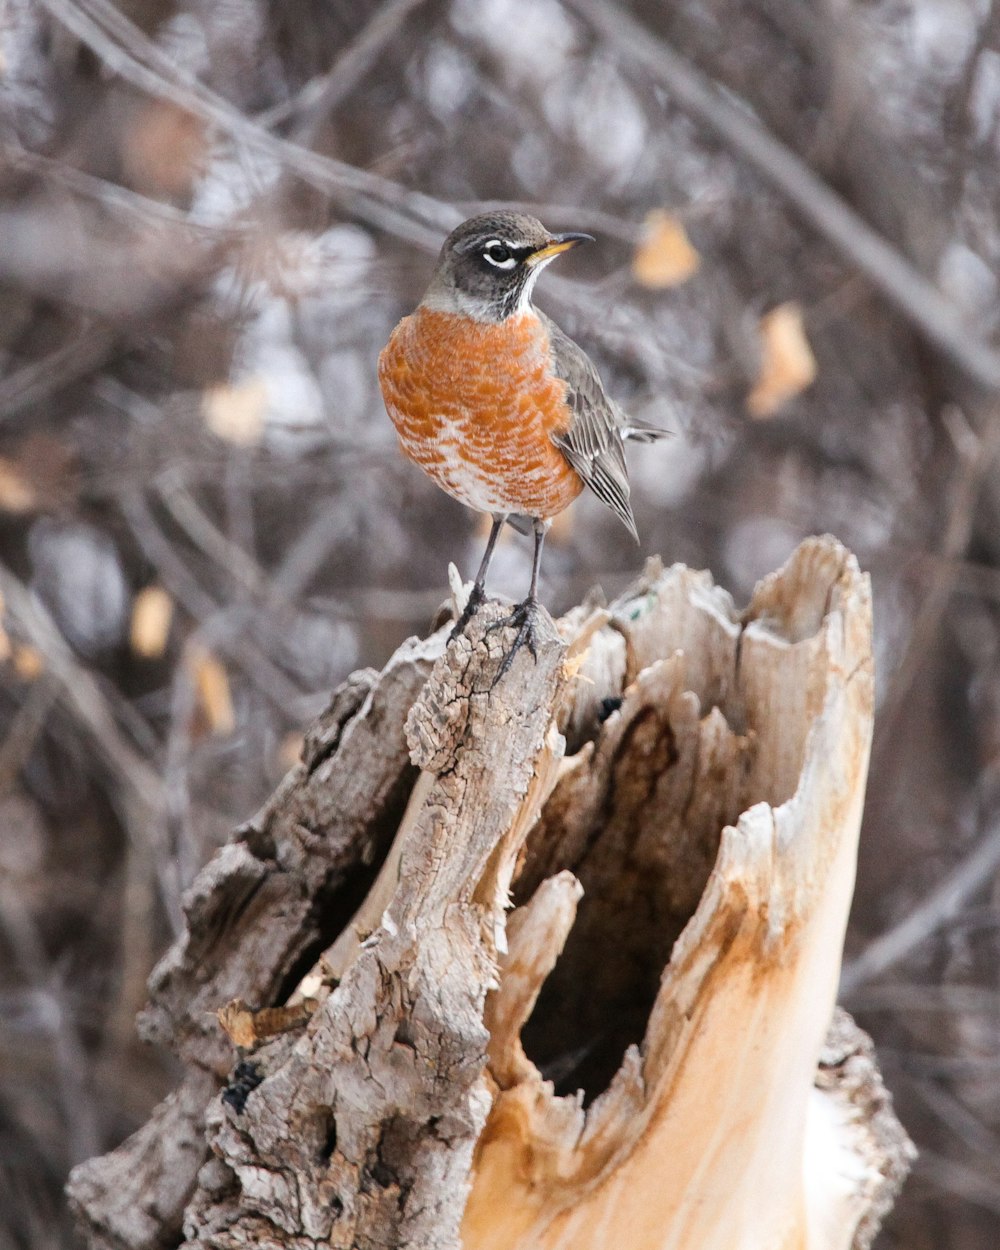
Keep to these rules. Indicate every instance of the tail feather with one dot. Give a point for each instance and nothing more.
(643, 431)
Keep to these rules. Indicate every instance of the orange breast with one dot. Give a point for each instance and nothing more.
(476, 407)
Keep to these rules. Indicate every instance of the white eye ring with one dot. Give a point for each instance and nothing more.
(508, 263)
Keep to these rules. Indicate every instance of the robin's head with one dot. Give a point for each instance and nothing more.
(489, 264)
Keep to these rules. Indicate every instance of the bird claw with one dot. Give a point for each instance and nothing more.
(477, 598)
(525, 617)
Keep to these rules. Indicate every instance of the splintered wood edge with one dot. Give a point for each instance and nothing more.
(395, 1049)
(725, 1085)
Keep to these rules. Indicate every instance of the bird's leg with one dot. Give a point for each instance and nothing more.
(478, 593)
(525, 615)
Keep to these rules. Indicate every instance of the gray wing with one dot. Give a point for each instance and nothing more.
(593, 444)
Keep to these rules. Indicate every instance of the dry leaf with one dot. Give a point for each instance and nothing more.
(152, 612)
(247, 1027)
(212, 684)
(16, 493)
(40, 474)
(29, 663)
(484, 523)
(164, 149)
(290, 750)
(665, 256)
(561, 529)
(236, 412)
(788, 365)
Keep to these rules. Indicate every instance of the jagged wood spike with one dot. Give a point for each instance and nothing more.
(671, 796)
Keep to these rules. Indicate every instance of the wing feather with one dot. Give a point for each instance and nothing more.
(593, 444)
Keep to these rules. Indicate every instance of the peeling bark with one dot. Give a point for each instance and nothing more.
(641, 1051)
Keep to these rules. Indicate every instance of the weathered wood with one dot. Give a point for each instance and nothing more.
(672, 792)
(736, 764)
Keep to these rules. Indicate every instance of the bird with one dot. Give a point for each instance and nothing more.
(497, 405)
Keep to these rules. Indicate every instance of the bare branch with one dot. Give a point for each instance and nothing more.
(322, 94)
(734, 122)
(411, 215)
(221, 627)
(940, 906)
(139, 787)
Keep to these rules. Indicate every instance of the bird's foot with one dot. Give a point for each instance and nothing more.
(525, 617)
(477, 597)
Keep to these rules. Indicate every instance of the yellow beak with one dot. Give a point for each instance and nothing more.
(558, 243)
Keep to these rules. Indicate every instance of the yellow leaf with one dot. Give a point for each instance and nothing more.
(484, 523)
(665, 256)
(212, 685)
(152, 612)
(290, 750)
(163, 149)
(561, 529)
(236, 412)
(787, 365)
(28, 661)
(16, 493)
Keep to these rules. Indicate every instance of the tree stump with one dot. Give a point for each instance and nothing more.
(549, 961)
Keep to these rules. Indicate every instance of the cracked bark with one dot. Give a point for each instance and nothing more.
(642, 1051)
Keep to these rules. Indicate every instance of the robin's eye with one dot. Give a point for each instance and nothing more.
(499, 255)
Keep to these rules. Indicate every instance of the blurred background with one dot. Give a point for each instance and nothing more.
(212, 213)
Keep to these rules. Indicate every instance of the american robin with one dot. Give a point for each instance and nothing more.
(496, 404)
